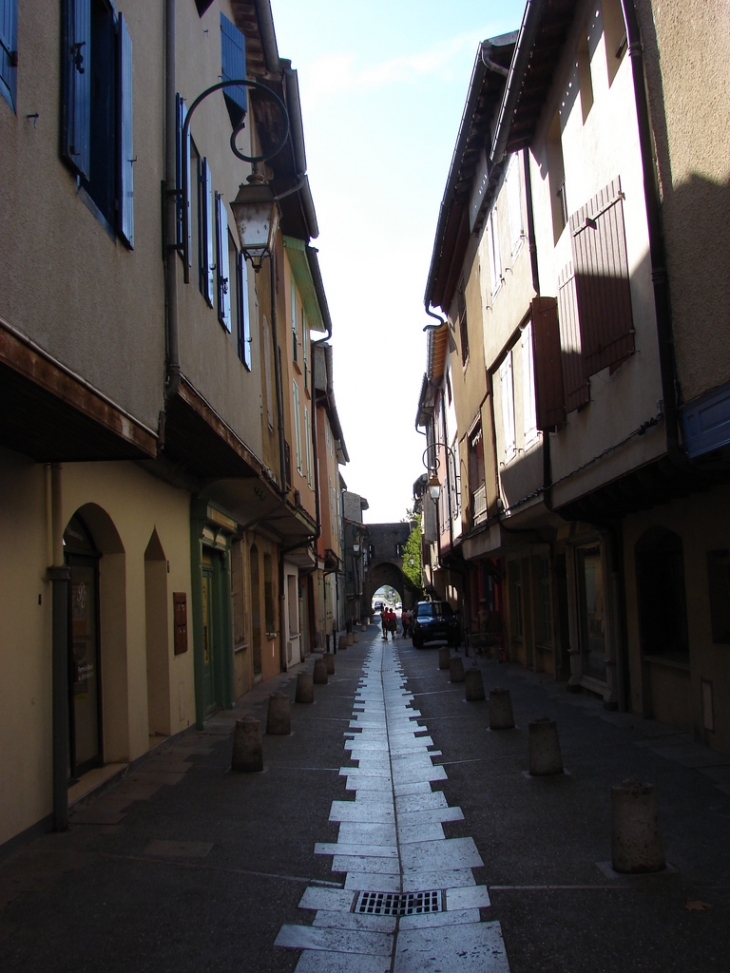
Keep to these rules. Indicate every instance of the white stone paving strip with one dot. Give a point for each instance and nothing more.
(391, 840)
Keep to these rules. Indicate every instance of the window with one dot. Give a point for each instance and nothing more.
(297, 426)
(308, 444)
(718, 570)
(556, 177)
(207, 231)
(528, 387)
(463, 325)
(508, 407)
(8, 49)
(495, 258)
(202, 6)
(233, 67)
(243, 315)
(267, 369)
(305, 348)
(181, 111)
(294, 323)
(514, 205)
(96, 128)
(223, 274)
(614, 31)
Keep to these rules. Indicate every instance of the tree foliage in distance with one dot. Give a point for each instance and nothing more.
(412, 551)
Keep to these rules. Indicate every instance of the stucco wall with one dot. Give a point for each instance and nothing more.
(85, 298)
(687, 50)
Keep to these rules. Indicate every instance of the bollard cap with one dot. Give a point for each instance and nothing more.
(633, 785)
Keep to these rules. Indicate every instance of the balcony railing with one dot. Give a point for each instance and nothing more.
(479, 504)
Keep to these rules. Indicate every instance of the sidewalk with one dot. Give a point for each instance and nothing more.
(185, 866)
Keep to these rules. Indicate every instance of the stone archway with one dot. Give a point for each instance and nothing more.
(381, 574)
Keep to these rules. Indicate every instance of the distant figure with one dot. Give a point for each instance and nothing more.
(389, 623)
(405, 620)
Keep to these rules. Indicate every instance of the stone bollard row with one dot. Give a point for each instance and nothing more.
(329, 661)
(474, 685)
(544, 756)
(248, 751)
(636, 842)
(319, 676)
(278, 717)
(342, 643)
(305, 688)
(456, 669)
(500, 710)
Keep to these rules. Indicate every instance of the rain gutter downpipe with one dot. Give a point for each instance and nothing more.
(170, 207)
(657, 252)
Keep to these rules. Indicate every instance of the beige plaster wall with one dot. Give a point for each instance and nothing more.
(597, 150)
(86, 299)
(122, 506)
(703, 524)
(208, 353)
(25, 647)
(687, 50)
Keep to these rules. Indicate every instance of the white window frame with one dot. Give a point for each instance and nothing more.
(508, 407)
(495, 257)
(528, 387)
(297, 425)
(514, 205)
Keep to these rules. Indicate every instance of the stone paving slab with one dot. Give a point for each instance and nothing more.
(322, 961)
(350, 920)
(362, 863)
(341, 848)
(435, 919)
(475, 948)
(373, 882)
(335, 940)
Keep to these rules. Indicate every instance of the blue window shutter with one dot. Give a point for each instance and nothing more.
(181, 110)
(76, 125)
(244, 315)
(233, 58)
(8, 49)
(224, 273)
(206, 212)
(126, 135)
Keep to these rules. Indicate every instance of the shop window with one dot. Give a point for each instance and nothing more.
(718, 571)
(592, 611)
(661, 595)
(96, 130)
(543, 612)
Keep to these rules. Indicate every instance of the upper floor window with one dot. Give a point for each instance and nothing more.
(97, 130)
(305, 349)
(495, 257)
(294, 323)
(245, 339)
(529, 413)
(297, 425)
(614, 32)
(556, 177)
(514, 205)
(8, 50)
(508, 407)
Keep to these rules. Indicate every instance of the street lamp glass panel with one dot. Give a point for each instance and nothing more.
(256, 215)
(434, 487)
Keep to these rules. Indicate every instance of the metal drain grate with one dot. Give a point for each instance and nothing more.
(397, 903)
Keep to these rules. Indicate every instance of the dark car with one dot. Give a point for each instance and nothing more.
(434, 620)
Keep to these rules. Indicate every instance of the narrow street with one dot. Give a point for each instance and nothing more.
(183, 865)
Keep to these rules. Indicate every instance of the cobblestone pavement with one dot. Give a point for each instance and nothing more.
(390, 785)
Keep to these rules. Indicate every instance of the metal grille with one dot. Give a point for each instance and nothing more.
(397, 903)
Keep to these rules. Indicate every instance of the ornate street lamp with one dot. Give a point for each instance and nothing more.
(254, 209)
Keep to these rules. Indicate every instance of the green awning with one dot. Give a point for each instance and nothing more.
(296, 252)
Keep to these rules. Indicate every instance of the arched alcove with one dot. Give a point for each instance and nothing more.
(112, 631)
(157, 638)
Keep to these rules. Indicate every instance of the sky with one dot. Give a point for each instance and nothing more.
(383, 85)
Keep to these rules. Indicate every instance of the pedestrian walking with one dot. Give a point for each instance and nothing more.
(405, 620)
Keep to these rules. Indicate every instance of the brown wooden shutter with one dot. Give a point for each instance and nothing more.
(549, 394)
(575, 379)
(602, 279)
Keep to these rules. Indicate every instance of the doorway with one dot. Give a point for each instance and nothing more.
(84, 669)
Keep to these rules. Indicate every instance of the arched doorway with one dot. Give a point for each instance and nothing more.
(84, 669)
(156, 632)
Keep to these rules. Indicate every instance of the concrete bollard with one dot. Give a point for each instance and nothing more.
(349, 638)
(342, 642)
(456, 669)
(364, 626)
(474, 685)
(305, 688)
(636, 842)
(500, 710)
(248, 751)
(544, 753)
(319, 676)
(278, 717)
(355, 636)
(444, 657)
(329, 661)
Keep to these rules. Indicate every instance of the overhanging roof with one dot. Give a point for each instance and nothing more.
(299, 261)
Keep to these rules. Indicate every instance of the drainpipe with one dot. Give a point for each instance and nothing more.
(657, 251)
(170, 207)
(60, 577)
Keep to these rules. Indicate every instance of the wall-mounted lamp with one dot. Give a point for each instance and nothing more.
(434, 487)
(430, 460)
(254, 208)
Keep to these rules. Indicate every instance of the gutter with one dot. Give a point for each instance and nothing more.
(296, 129)
(268, 35)
(313, 261)
(657, 250)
